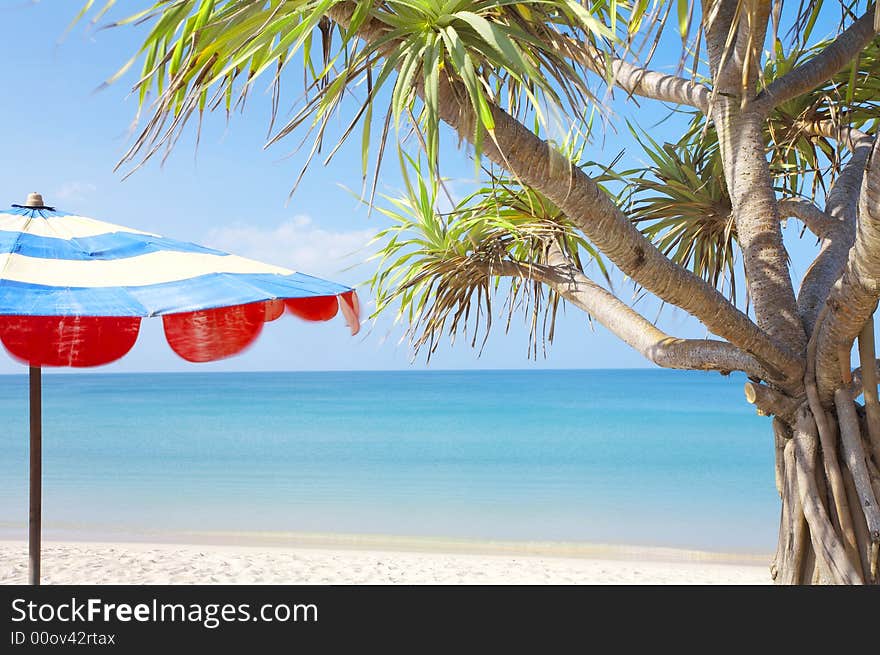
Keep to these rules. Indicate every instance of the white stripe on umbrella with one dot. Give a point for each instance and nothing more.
(62, 226)
(142, 270)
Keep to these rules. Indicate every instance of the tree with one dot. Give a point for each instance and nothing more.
(777, 124)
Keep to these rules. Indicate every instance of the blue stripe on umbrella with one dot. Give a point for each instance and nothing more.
(116, 245)
(192, 294)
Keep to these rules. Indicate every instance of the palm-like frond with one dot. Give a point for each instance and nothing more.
(201, 54)
(804, 162)
(441, 271)
(204, 54)
(680, 202)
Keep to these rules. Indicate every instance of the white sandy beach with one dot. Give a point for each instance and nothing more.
(374, 561)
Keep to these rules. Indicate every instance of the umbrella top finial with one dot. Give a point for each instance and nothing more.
(34, 200)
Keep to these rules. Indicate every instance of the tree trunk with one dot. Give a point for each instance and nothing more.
(829, 531)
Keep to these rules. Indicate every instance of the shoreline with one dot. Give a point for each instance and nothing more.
(386, 542)
(287, 558)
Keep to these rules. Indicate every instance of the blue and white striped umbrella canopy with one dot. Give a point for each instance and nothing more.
(56, 264)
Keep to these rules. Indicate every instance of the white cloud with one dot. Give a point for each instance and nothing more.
(296, 243)
(74, 191)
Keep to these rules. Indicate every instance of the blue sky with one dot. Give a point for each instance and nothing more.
(62, 139)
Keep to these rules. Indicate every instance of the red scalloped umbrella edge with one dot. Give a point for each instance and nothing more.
(201, 336)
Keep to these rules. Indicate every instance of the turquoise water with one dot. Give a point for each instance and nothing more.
(598, 456)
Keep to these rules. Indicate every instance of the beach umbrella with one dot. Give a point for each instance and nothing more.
(73, 291)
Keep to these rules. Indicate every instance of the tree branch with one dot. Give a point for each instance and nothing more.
(854, 297)
(639, 81)
(770, 402)
(734, 34)
(628, 325)
(868, 355)
(830, 552)
(756, 214)
(781, 436)
(843, 196)
(854, 456)
(850, 137)
(753, 23)
(725, 58)
(795, 544)
(858, 375)
(820, 68)
(817, 221)
(842, 205)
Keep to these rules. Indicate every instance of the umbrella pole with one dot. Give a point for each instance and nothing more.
(36, 452)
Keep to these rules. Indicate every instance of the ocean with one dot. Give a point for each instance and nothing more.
(641, 457)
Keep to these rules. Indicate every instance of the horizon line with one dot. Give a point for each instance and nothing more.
(96, 371)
